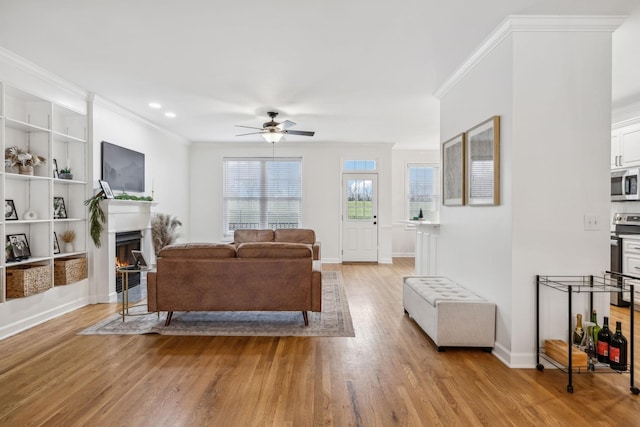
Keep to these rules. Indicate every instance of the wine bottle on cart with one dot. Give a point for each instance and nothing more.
(618, 350)
(590, 348)
(604, 337)
(596, 327)
(578, 332)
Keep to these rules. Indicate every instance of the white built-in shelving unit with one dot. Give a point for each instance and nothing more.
(53, 131)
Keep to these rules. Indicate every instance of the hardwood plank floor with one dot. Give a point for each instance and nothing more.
(389, 374)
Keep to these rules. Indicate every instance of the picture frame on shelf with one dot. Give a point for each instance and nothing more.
(59, 209)
(56, 245)
(17, 247)
(106, 189)
(10, 213)
(453, 171)
(482, 163)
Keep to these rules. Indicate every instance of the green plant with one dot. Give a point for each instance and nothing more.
(125, 196)
(97, 218)
(163, 230)
(65, 170)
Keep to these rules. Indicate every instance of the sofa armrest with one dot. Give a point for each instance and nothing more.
(316, 287)
(316, 250)
(152, 291)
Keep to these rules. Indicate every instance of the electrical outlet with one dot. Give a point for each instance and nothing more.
(591, 222)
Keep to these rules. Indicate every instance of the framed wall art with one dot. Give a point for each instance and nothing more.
(17, 247)
(59, 209)
(106, 189)
(10, 213)
(453, 171)
(56, 245)
(483, 163)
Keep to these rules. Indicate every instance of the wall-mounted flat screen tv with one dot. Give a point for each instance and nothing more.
(122, 168)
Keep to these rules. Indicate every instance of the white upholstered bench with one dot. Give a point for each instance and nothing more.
(451, 315)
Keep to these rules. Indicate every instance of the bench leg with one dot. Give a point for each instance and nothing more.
(169, 316)
(305, 316)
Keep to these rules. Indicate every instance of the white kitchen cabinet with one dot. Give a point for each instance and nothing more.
(625, 146)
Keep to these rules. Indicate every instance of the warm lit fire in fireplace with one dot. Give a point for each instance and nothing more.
(120, 263)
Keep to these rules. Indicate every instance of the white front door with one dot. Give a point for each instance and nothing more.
(360, 217)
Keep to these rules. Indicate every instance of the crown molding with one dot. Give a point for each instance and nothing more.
(626, 115)
(529, 23)
(122, 111)
(39, 72)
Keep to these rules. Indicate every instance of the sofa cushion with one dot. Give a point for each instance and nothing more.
(198, 250)
(295, 235)
(273, 250)
(242, 236)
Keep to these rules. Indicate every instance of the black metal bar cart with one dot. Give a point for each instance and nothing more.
(610, 282)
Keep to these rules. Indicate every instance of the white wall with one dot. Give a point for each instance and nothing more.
(321, 180)
(166, 157)
(552, 90)
(404, 235)
(166, 175)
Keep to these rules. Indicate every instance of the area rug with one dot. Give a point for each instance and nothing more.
(333, 321)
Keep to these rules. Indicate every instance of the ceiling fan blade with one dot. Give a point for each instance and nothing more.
(250, 133)
(286, 124)
(248, 127)
(299, 132)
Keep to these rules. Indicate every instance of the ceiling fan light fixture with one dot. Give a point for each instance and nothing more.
(272, 136)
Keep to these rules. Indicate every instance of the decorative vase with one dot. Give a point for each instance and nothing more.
(25, 170)
(68, 247)
(66, 176)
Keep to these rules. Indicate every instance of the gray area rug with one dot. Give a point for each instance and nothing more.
(333, 321)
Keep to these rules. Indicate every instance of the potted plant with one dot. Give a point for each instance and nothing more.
(17, 156)
(65, 173)
(164, 230)
(68, 237)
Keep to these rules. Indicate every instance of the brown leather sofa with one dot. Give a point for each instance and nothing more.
(288, 235)
(243, 276)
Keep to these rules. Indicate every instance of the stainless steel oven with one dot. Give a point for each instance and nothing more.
(625, 224)
(616, 266)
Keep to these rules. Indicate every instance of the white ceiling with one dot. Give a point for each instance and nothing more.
(351, 70)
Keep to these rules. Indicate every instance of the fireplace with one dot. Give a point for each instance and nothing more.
(125, 243)
(123, 216)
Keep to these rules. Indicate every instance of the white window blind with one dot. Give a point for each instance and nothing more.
(261, 193)
(423, 184)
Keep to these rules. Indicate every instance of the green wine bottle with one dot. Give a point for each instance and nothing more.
(596, 328)
(578, 332)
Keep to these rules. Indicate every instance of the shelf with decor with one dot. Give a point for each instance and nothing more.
(48, 137)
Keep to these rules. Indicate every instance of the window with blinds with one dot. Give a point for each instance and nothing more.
(423, 184)
(262, 193)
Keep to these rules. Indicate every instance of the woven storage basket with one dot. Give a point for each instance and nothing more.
(69, 270)
(26, 280)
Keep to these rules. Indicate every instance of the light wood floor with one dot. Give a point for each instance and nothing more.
(389, 374)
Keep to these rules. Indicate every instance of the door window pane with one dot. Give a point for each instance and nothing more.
(360, 199)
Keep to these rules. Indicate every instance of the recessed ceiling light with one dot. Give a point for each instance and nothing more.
(170, 114)
(155, 105)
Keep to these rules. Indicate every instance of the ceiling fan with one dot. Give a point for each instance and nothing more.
(273, 131)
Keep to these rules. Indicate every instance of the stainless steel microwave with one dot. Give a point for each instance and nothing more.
(624, 185)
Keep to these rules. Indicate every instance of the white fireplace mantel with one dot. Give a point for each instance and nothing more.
(121, 216)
